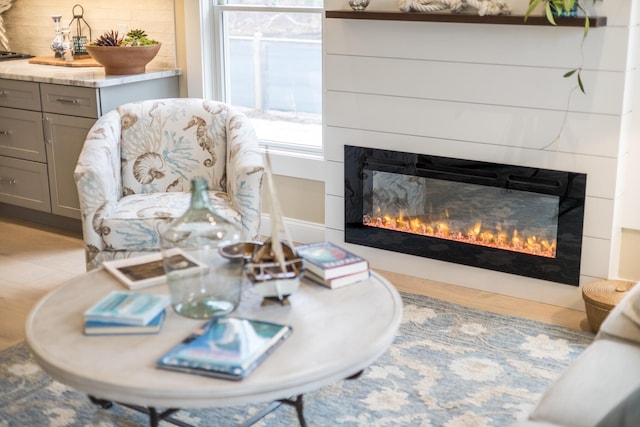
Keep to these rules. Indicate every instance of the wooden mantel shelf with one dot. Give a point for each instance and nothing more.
(594, 21)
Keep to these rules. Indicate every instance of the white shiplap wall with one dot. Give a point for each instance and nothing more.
(492, 93)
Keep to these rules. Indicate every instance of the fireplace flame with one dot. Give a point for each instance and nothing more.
(476, 234)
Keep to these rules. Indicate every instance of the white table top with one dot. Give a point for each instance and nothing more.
(337, 333)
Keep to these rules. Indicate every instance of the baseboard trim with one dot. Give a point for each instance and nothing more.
(300, 231)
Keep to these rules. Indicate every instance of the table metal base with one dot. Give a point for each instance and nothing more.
(155, 416)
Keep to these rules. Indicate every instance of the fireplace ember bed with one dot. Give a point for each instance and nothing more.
(513, 219)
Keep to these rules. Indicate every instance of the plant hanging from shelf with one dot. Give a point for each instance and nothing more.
(556, 8)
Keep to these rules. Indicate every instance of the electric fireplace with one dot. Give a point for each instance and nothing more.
(514, 219)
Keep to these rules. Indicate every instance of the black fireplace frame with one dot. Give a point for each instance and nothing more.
(569, 186)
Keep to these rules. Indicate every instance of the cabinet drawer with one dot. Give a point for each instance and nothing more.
(19, 94)
(24, 183)
(70, 100)
(21, 134)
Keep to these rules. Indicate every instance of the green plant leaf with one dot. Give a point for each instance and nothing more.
(570, 73)
(586, 25)
(549, 14)
(568, 5)
(532, 5)
(580, 83)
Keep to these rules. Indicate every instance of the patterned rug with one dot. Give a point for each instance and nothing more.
(449, 366)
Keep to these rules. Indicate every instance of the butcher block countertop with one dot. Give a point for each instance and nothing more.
(85, 61)
(91, 76)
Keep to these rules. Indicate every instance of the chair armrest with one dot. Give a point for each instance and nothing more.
(245, 169)
(97, 177)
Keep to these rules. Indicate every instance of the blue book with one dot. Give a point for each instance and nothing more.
(128, 308)
(110, 328)
(228, 348)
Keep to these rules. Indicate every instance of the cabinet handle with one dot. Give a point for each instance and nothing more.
(5, 132)
(67, 101)
(11, 181)
(50, 128)
(4, 92)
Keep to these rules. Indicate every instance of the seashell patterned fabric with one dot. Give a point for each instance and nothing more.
(135, 169)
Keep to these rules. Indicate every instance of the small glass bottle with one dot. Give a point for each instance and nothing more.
(213, 290)
(56, 43)
(68, 49)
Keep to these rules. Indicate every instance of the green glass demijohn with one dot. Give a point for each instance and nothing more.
(212, 288)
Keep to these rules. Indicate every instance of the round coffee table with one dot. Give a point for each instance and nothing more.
(336, 334)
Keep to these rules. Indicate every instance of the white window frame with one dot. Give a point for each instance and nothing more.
(203, 63)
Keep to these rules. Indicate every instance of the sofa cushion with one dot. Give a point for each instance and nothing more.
(135, 222)
(625, 414)
(600, 378)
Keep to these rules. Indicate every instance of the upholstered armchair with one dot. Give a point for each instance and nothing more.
(135, 169)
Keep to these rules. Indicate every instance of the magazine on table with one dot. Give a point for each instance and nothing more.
(148, 270)
(228, 348)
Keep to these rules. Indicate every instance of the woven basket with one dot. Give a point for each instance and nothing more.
(600, 297)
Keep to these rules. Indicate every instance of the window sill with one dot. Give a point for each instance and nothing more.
(295, 165)
(594, 21)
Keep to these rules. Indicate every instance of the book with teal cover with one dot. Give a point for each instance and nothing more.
(129, 308)
(111, 328)
(228, 348)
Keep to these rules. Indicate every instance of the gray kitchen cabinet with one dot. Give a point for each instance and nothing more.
(64, 137)
(42, 129)
(24, 183)
(23, 163)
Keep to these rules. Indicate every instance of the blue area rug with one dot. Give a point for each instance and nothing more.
(449, 366)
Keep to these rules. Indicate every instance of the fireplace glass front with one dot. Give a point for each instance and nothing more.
(514, 219)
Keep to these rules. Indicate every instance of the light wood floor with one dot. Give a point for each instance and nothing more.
(35, 259)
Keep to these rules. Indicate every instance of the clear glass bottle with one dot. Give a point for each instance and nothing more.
(213, 290)
(68, 49)
(56, 43)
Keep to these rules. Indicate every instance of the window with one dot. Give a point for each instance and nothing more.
(267, 57)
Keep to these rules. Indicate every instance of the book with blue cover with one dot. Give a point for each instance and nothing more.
(228, 348)
(126, 307)
(111, 328)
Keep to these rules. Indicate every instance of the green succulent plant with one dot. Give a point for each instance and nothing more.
(135, 37)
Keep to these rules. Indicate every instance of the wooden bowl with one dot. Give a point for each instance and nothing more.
(123, 59)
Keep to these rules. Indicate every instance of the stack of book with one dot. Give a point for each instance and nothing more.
(122, 312)
(330, 265)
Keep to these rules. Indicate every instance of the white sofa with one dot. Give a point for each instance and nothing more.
(602, 387)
